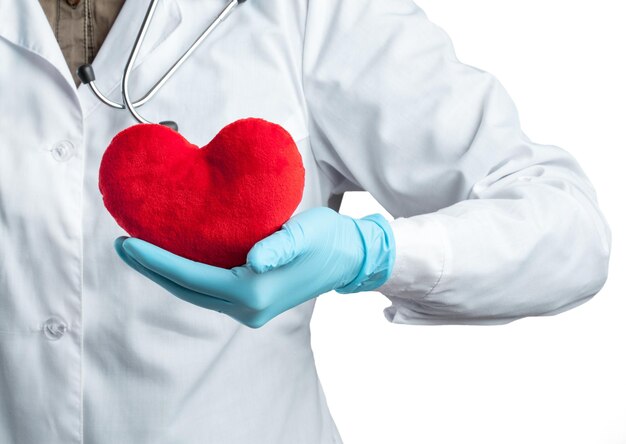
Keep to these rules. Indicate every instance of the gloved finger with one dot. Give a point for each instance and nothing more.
(201, 300)
(206, 279)
(274, 251)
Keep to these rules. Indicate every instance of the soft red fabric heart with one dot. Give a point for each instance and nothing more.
(209, 204)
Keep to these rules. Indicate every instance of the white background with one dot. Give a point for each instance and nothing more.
(554, 380)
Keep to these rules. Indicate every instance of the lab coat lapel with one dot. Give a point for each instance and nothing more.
(111, 58)
(24, 24)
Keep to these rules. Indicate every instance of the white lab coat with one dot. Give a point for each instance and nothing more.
(490, 226)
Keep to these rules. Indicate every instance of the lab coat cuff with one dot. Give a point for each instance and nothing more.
(420, 257)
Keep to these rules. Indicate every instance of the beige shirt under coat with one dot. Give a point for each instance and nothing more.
(80, 27)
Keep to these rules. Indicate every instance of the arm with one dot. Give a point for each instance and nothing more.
(490, 226)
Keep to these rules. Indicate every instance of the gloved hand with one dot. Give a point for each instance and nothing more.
(316, 251)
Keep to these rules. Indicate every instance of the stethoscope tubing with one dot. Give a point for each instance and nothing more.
(87, 75)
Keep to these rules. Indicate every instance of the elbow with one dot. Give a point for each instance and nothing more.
(600, 259)
(586, 252)
(587, 275)
(599, 253)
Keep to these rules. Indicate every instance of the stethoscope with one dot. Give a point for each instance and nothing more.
(88, 77)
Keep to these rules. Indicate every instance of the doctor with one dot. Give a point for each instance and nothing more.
(489, 226)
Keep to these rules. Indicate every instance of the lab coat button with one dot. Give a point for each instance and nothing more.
(63, 151)
(54, 328)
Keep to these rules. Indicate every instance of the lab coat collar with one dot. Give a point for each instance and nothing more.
(25, 24)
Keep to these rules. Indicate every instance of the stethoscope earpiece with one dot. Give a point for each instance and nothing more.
(86, 74)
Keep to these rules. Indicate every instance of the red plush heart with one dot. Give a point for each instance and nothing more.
(209, 204)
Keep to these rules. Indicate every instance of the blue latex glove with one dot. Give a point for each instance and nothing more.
(316, 251)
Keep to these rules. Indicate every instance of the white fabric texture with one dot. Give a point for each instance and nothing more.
(497, 227)
(490, 226)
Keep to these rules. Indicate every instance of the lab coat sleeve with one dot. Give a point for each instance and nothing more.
(490, 226)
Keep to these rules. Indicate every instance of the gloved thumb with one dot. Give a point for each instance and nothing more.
(274, 251)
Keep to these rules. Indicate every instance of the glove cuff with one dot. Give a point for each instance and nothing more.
(380, 253)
